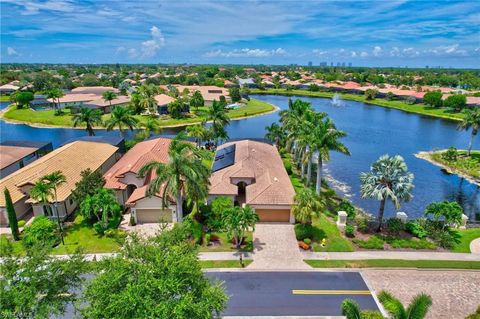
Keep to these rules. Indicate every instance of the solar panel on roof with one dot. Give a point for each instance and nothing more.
(224, 157)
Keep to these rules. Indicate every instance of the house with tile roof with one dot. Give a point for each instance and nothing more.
(131, 188)
(71, 159)
(252, 173)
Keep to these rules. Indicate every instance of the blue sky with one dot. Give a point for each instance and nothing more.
(365, 33)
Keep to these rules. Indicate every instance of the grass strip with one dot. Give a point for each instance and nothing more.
(400, 263)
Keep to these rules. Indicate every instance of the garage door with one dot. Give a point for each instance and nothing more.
(153, 215)
(273, 215)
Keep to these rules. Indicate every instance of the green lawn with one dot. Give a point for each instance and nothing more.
(80, 234)
(466, 237)
(47, 117)
(443, 264)
(4, 98)
(329, 230)
(226, 245)
(467, 165)
(396, 104)
(224, 263)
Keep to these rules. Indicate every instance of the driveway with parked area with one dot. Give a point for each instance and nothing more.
(275, 247)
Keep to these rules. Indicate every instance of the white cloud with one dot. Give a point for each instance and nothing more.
(395, 51)
(376, 51)
(120, 49)
(319, 52)
(353, 54)
(363, 54)
(246, 52)
(12, 52)
(150, 47)
(132, 52)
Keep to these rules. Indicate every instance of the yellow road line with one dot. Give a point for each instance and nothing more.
(330, 292)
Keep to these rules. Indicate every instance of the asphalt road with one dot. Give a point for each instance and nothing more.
(292, 293)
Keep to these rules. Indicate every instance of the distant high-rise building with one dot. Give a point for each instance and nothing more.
(349, 64)
(323, 63)
(426, 66)
(343, 64)
(309, 63)
(339, 64)
(331, 63)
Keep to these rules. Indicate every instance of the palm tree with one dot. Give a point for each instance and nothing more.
(150, 126)
(471, 120)
(121, 117)
(324, 138)
(184, 174)
(55, 94)
(351, 309)
(147, 97)
(90, 117)
(388, 178)
(55, 179)
(197, 132)
(109, 96)
(417, 309)
(218, 116)
(307, 204)
(275, 134)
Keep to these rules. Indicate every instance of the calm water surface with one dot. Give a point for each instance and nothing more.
(372, 131)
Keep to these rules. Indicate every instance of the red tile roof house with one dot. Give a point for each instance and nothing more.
(131, 189)
(252, 173)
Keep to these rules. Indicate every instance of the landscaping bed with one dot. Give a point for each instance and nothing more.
(433, 264)
(220, 242)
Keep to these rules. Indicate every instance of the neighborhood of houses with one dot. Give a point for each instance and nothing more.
(250, 172)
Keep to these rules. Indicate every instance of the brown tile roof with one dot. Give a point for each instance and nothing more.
(209, 92)
(97, 90)
(70, 159)
(135, 159)
(163, 99)
(76, 97)
(12, 154)
(262, 162)
(100, 102)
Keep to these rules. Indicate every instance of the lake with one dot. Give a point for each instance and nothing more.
(371, 132)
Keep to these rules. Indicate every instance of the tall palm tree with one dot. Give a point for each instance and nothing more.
(109, 96)
(471, 121)
(417, 309)
(275, 134)
(147, 97)
(323, 139)
(307, 204)
(54, 180)
(388, 179)
(90, 117)
(183, 175)
(218, 116)
(121, 117)
(55, 94)
(197, 132)
(150, 126)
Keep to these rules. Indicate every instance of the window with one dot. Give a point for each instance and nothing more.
(70, 202)
(47, 210)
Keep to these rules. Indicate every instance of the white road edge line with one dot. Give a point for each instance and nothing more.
(374, 296)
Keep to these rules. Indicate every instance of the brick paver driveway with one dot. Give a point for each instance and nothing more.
(455, 294)
(275, 247)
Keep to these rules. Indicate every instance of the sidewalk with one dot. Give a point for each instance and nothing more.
(405, 255)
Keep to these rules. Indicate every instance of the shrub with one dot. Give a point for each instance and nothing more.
(41, 231)
(416, 229)
(349, 231)
(395, 226)
(288, 166)
(411, 243)
(21, 223)
(362, 224)
(475, 315)
(390, 96)
(6, 247)
(371, 94)
(370, 314)
(450, 154)
(348, 208)
(208, 237)
(99, 229)
(303, 231)
(374, 242)
(132, 221)
(307, 241)
(447, 239)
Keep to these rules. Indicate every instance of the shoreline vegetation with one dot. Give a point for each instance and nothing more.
(468, 168)
(47, 119)
(394, 104)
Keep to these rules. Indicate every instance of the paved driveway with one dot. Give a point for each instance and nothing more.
(275, 247)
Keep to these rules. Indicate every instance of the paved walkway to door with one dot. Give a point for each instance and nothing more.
(275, 247)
